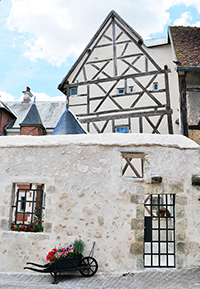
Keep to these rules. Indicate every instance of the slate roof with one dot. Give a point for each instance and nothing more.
(50, 112)
(186, 44)
(4, 106)
(32, 118)
(68, 124)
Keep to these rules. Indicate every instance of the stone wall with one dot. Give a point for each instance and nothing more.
(87, 195)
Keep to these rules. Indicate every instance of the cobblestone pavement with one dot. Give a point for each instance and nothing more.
(148, 279)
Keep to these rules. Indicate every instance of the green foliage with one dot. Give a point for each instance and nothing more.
(78, 246)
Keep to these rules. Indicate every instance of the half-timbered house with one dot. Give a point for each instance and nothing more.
(118, 84)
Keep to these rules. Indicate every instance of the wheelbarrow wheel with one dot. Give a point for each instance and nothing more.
(89, 266)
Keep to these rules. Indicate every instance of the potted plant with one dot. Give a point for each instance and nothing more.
(66, 252)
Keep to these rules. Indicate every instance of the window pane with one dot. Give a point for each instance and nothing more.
(74, 91)
(27, 209)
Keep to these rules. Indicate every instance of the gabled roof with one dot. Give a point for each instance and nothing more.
(68, 124)
(32, 118)
(186, 45)
(4, 106)
(112, 14)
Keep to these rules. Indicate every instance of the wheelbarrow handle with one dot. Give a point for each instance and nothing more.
(92, 250)
(38, 265)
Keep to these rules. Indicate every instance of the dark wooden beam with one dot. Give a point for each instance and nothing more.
(147, 92)
(128, 94)
(193, 89)
(183, 103)
(123, 115)
(139, 46)
(114, 48)
(89, 53)
(140, 124)
(144, 108)
(117, 43)
(100, 70)
(115, 78)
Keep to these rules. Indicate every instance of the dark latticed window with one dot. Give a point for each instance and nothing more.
(28, 207)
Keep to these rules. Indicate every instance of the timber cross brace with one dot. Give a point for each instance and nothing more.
(116, 59)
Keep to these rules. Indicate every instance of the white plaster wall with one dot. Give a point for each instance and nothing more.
(86, 194)
(162, 55)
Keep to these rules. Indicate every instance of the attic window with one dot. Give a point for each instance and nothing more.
(73, 91)
(131, 89)
(122, 129)
(120, 90)
(155, 86)
(132, 164)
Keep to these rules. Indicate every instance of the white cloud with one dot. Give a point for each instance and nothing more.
(185, 19)
(57, 29)
(6, 96)
(41, 96)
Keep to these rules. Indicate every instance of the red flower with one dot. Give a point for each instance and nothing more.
(13, 228)
(25, 220)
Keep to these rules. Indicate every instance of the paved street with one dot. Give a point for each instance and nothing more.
(148, 279)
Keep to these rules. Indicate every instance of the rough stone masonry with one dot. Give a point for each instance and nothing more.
(88, 195)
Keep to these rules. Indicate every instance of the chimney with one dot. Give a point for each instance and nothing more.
(27, 95)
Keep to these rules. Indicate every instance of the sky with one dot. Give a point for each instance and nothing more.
(41, 39)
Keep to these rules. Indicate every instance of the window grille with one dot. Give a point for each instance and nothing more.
(159, 231)
(28, 207)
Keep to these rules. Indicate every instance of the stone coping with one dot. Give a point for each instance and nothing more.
(110, 139)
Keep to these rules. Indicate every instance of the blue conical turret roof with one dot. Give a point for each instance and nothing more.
(32, 117)
(68, 124)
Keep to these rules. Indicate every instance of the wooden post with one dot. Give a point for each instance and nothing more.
(183, 103)
(169, 116)
(88, 105)
(68, 94)
(114, 47)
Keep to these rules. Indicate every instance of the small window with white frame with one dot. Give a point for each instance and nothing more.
(133, 164)
(155, 85)
(73, 91)
(131, 89)
(122, 129)
(121, 90)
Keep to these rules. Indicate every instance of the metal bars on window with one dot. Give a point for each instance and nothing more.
(27, 210)
(159, 234)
